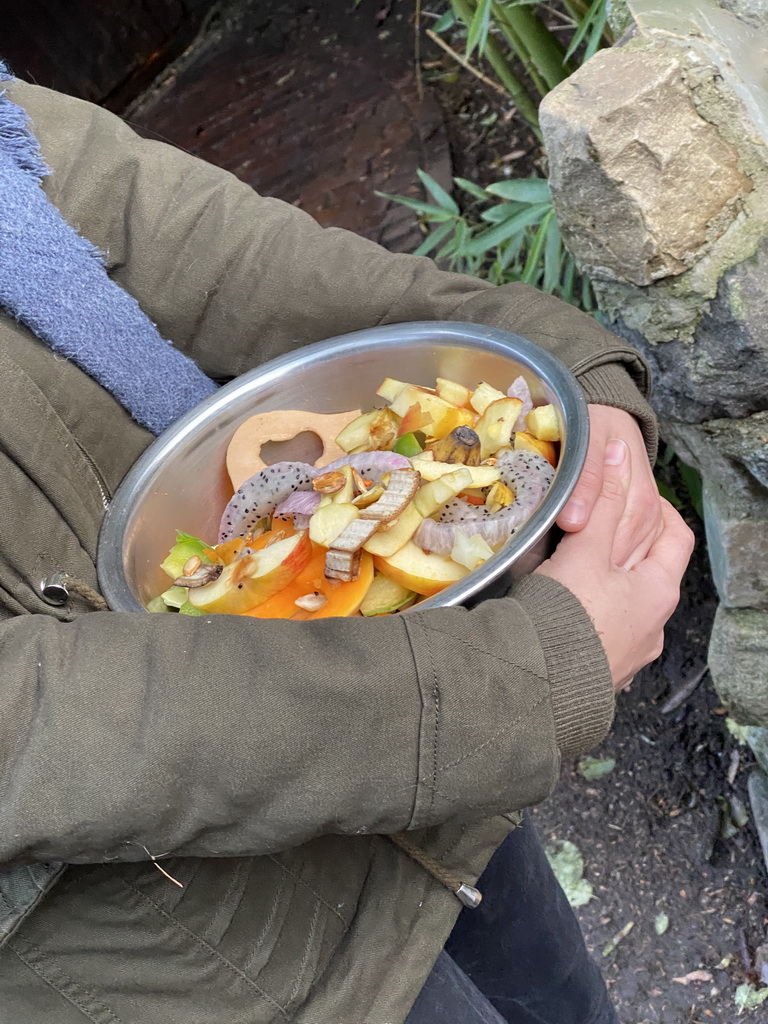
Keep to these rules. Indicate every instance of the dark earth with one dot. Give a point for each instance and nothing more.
(322, 105)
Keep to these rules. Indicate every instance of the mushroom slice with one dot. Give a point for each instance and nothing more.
(343, 565)
(206, 572)
(401, 488)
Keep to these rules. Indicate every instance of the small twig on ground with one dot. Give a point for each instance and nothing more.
(681, 695)
(465, 63)
(417, 50)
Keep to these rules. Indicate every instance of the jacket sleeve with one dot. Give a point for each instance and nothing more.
(122, 734)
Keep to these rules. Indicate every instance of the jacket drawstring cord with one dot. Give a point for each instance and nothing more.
(463, 891)
(56, 589)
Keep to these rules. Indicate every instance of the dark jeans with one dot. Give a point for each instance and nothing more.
(520, 956)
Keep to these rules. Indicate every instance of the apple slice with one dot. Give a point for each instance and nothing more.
(452, 392)
(433, 496)
(384, 596)
(525, 442)
(373, 431)
(544, 423)
(495, 426)
(328, 521)
(438, 416)
(482, 476)
(414, 569)
(483, 395)
(390, 388)
(254, 578)
(390, 537)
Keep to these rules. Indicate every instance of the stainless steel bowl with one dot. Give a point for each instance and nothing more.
(180, 482)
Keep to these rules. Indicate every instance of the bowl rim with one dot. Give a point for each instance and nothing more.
(546, 366)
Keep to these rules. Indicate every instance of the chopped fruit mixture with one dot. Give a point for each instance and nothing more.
(430, 487)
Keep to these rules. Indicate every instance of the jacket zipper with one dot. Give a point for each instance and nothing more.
(106, 496)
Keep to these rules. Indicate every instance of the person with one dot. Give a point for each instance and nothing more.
(266, 767)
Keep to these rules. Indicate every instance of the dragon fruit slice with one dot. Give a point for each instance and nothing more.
(260, 495)
(371, 465)
(528, 474)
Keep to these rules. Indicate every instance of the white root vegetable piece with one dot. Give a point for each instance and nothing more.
(343, 565)
(244, 451)
(353, 537)
(399, 492)
(544, 423)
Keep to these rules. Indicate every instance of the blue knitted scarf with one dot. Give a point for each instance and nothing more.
(55, 282)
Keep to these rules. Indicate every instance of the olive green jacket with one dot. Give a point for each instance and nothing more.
(264, 760)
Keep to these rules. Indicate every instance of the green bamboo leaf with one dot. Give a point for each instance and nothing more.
(592, 27)
(533, 267)
(569, 282)
(478, 28)
(553, 258)
(692, 480)
(522, 190)
(503, 211)
(472, 188)
(437, 192)
(669, 494)
(507, 229)
(446, 21)
(434, 238)
(436, 213)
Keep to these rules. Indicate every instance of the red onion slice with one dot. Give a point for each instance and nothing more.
(303, 502)
(519, 389)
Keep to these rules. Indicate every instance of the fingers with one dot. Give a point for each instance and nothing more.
(611, 503)
(586, 492)
(673, 548)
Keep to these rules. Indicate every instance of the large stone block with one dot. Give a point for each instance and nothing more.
(723, 371)
(727, 453)
(738, 661)
(640, 181)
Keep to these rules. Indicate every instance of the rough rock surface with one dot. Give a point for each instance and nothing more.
(630, 144)
(723, 370)
(737, 538)
(738, 660)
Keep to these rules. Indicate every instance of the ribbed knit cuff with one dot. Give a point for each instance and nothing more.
(577, 667)
(612, 384)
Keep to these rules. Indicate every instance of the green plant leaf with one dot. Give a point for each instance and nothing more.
(432, 212)
(592, 28)
(478, 27)
(434, 238)
(472, 188)
(670, 494)
(553, 258)
(532, 268)
(522, 190)
(693, 485)
(444, 22)
(507, 229)
(501, 212)
(437, 192)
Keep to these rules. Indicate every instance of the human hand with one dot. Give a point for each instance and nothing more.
(629, 604)
(642, 521)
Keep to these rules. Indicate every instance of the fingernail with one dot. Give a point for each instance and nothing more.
(575, 511)
(615, 452)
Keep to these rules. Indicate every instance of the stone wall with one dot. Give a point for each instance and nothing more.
(659, 173)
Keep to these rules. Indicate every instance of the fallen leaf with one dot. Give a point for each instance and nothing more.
(596, 767)
(661, 924)
(693, 976)
(748, 997)
(568, 866)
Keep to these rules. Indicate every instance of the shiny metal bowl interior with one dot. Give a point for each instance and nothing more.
(180, 482)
